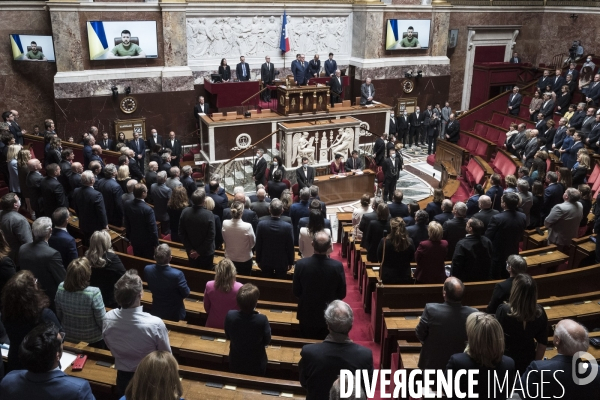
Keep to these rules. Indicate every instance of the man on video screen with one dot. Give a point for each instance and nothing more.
(34, 54)
(410, 40)
(126, 49)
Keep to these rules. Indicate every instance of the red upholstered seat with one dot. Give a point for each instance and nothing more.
(497, 119)
(471, 144)
(463, 193)
(462, 141)
(287, 183)
(524, 112)
(481, 149)
(594, 188)
(594, 175)
(480, 129)
(295, 192)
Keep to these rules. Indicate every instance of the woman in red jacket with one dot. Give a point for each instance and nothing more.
(430, 256)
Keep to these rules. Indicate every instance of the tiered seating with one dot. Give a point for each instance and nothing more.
(504, 164)
(476, 145)
(475, 172)
(504, 120)
(490, 132)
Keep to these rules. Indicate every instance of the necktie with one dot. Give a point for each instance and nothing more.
(369, 91)
(138, 144)
(353, 163)
(243, 70)
(105, 143)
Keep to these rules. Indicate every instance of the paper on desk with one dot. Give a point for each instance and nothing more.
(358, 172)
(66, 360)
(375, 102)
(4, 349)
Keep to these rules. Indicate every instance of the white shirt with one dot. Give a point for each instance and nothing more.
(305, 243)
(356, 217)
(239, 240)
(131, 334)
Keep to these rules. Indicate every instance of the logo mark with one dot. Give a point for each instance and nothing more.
(583, 364)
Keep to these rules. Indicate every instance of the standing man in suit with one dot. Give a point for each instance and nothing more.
(318, 280)
(154, 139)
(330, 65)
(544, 81)
(453, 129)
(300, 210)
(168, 286)
(314, 67)
(505, 231)
(563, 220)
(14, 226)
(139, 148)
(161, 194)
(558, 82)
(441, 329)
(547, 106)
(175, 146)
(515, 265)
(320, 363)
(573, 71)
(300, 71)
(10, 117)
(589, 123)
(569, 338)
(41, 351)
(472, 259)
(274, 234)
(397, 208)
(577, 119)
(367, 92)
(531, 148)
(446, 111)
(89, 206)
(88, 142)
(34, 181)
(393, 129)
(335, 87)
(112, 194)
(455, 228)
(259, 169)
(486, 212)
(305, 175)
(267, 74)
(415, 120)
(106, 143)
(61, 240)
(391, 169)
(514, 102)
(42, 260)
(515, 59)
(242, 70)
(197, 232)
(53, 193)
(593, 92)
(140, 224)
(553, 194)
(200, 108)
(379, 149)
(402, 126)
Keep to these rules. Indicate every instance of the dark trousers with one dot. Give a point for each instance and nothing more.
(389, 185)
(414, 134)
(309, 331)
(243, 267)
(404, 136)
(275, 273)
(123, 378)
(266, 95)
(144, 252)
(202, 262)
(431, 143)
(334, 99)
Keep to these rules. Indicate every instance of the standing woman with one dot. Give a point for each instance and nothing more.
(239, 239)
(121, 140)
(564, 178)
(535, 105)
(220, 294)
(372, 236)
(524, 322)
(580, 169)
(564, 100)
(107, 267)
(224, 70)
(395, 252)
(23, 157)
(177, 203)
(276, 164)
(431, 256)
(123, 177)
(13, 169)
(53, 156)
(535, 212)
(316, 223)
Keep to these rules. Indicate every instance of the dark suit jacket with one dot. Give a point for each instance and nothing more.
(442, 332)
(274, 234)
(150, 141)
(443, 217)
(197, 230)
(351, 164)
(574, 73)
(220, 204)
(15, 130)
(335, 85)
(22, 384)
(594, 92)
(485, 384)
(248, 216)
(559, 368)
(577, 119)
(134, 170)
(393, 130)
(261, 208)
(472, 260)
(318, 280)
(391, 168)
(175, 150)
(314, 67)
(495, 193)
(398, 210)
(108, 146)
(169, 288)
(45, 263)
(274, 189)
(330, 67)
(364, 92)
(34, 181)
(418, 233)
(547, 110)
(87, 154)
(190, 186)
(113, 203)
(267, 74)
(140, 225)
(204, 108)
(500, 294)
(379, 151)
(453, 130)
(258, 171)
(53, 195)
(505, 231)
(300, 72)
(485, 216)
(514, 101)
(297, 211)
(283, 218)
(454, 231)
(305, 181)
(320, 365)
(239, 72)
(89, 206)
(543, 82)
(64, 243)
(225, 72)
(248, 334)
(553, 195)
(557, 84)
(512, 60)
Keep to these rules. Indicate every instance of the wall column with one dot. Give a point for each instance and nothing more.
(176, 75)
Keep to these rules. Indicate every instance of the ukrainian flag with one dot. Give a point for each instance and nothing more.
(392, 34)
(17, 47)
(97, 39)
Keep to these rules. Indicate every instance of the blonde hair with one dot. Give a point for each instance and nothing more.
(398, 234)
(523, 299)
(584, 160)
(22, 157)
(156, 378)
(13, 150)
(485, 339)
(100, 244)
(511, 181)
(225, 274)
(237, 210)
(435, 231)
(123, 173)
(78, 275)
(209, 203)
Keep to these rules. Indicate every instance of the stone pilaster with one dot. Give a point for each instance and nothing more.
(441, 25)
(67, 40)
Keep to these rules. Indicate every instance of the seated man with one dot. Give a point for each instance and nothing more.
(126, 49)
(40, 353)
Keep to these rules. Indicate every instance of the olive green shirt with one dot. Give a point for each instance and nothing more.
(122, 51)
(412, 42)
(35, 56)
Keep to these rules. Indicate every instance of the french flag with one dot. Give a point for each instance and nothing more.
(284, 44)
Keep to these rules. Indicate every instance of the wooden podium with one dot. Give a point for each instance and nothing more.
(302, 99)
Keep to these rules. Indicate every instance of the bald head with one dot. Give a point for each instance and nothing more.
(261, 194)
(241, 197)
(153, 166)
(453, 289)
(34, 164)
(321, 242)
(570, 337)
(485, 202)
(77, 167)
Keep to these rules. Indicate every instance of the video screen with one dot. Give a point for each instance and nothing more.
(407, 34)
(117, 40)
(32, 48)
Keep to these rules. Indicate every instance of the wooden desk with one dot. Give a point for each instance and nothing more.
(231, 94)
(323, 80)
(302, 99)
(451, 153)
(583, 252)
(336, 189)
(343, 218)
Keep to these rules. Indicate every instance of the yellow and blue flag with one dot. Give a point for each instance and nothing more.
(97, 39)
(392, 33)
(17, 47)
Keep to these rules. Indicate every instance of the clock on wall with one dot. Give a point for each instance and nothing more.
(128, 105)
(407, 86)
